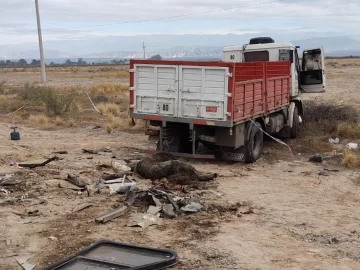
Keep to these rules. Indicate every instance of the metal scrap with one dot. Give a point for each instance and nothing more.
(22, 260)
(105, 217)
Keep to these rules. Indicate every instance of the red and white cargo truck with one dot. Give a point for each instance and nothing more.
(226, 105)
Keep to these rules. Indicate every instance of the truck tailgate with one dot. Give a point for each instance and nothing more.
(180, 90)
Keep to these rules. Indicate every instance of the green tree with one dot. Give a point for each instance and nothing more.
(22, 62)
(156, 57)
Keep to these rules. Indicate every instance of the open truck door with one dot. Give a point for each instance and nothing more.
(312, 74)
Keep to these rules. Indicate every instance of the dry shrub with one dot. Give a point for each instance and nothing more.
(55, 103)
(104, 89)
(349, 130)
(350, 159)
(109, 108)
(15, 118)
(108, 128)
(58, 121)
(324, 118)
(71, 123)
(39, 120)
(2, 99)
(2, 87)
(120, 74)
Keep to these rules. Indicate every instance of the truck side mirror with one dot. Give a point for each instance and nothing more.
(297, 47)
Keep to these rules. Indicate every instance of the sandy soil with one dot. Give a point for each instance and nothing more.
(275, 214)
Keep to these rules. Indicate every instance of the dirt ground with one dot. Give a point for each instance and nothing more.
(275, 214)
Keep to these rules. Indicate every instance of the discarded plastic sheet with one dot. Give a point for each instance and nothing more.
(352, 146)
(192, 207)
(334, 140)
(121, 187)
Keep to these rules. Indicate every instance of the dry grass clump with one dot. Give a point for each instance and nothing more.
(2, 99)
(350, 159)
(109, 108)
(56, 102)
(348, 130)
(2, 87)
(71, 122)
(58, 122)
(119, 74)
(324, 118)
(41, 120)
(105, 89)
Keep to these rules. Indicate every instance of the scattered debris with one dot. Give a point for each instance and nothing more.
(352, 146)
(248, 212)
(32, 165)
(317, 158)
(130, 197)
(22, 260)
(96, 152)
(120, 166)
(121, 187)
(8, 201)
(164, 165)
(82, 207)
(143, 221)
(324, 173)
(153, 210)
(61, 152)
(192, 207)
(113, 176)
(76, 181)
(110, 215)
(53, 238)
(168, 211)
(334, 140)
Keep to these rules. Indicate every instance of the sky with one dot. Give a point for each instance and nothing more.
(81, 19)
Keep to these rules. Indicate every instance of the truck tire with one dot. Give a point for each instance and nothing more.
(294, 131)
(254, 143)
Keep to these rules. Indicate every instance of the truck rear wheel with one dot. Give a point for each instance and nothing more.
(294, 131)
(254, 143)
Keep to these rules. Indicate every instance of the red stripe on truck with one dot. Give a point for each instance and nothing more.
(200, 122)
(153, 117)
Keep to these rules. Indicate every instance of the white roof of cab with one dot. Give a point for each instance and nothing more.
(259, 46)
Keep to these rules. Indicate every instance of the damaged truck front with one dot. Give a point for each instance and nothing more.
(226, 106)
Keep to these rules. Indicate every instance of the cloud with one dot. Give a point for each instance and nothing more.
(72, 18)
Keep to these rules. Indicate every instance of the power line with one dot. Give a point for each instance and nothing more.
(157, 19)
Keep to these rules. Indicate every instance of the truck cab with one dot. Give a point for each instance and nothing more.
(307, 75)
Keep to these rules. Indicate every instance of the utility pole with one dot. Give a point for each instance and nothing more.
(143, 46)
(42, 62)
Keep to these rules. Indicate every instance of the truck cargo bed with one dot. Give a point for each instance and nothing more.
(207, 93)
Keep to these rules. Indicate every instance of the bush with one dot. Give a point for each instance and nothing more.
(55, 104)
(325, 117)
(2, 87)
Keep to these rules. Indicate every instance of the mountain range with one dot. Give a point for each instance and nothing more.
(173, 46)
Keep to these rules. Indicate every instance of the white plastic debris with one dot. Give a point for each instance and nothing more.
(352, 146)
(334, 141)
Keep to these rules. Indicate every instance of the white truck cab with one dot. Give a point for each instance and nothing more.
(307, 77)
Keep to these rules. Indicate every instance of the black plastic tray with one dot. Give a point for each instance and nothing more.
(113, 255)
